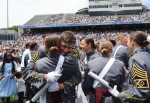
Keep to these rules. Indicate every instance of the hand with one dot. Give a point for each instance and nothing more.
(61, 86)
(12, 75)
(53, 77)
(114, 91)
(53, 87)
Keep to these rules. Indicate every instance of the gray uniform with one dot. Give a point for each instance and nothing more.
(26, 58)
(122, 54)
(139, 77)
(71, 76)
(89, 56)
(148, 48)
(39, 54)
(138, 90)
(115, 75)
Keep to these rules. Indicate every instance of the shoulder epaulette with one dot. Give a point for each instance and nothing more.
(35, 57)
(75, 52)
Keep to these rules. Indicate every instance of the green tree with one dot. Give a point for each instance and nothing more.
(11, 28)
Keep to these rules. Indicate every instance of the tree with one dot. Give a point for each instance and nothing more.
(11, 28)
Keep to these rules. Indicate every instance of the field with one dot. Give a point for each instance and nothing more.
(14, 99)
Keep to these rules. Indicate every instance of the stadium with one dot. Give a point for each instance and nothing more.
(86, 20)
(102, 20)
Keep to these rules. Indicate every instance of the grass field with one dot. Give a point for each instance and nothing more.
(14, 99)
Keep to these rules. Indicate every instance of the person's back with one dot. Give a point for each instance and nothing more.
(140, 64)
(138, 89)
(121, 51)
(33, 49)
(21, 86)
(23, 56)
(115, 74)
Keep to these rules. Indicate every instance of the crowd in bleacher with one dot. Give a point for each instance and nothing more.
(60, 19)
(96, 35)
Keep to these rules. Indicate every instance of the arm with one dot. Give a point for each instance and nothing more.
(31, 75)
(70, 84)
(12, 75)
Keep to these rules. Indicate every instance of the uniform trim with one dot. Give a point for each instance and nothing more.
(75, 52)
(35, 57)
(132, 97)
(71, 84)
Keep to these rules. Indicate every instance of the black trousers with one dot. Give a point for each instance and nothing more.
(20, 97)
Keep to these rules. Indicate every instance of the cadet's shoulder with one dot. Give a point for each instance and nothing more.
(75, 52)
(118, 62)
(95, 60)
(42, 52)
(141, 55)
(42, 60)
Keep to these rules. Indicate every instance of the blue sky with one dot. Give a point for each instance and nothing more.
(146, 3)
(20, 11)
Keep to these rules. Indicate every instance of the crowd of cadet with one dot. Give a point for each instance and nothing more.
(123, 63)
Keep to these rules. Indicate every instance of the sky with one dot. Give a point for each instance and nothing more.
(21, 11)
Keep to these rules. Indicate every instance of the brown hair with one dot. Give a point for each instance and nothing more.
(120, 36)
(140, 38)
(52, 43)
(18, 74)
(105, 47)
(68, 37)
(90, 40)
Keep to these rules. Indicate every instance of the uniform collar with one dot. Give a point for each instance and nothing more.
(140, 49)
(90, 53)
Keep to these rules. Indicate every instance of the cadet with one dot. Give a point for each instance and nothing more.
(139, 71)
(68, 81)
(88, 46)
(115, 75)
(121, 51)
(89, 53)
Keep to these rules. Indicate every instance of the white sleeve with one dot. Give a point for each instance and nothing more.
(15, 66)
(22, 60)
(1, 66)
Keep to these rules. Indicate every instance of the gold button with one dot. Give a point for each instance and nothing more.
(124, 99)
(35, 77)
(39, 79)
(73, 96)
(132, 95)
(128, 97)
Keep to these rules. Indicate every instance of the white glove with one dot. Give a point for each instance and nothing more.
(114, 91)
(53, 76)
(53, 87)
